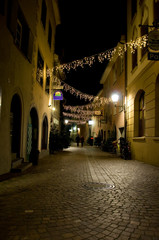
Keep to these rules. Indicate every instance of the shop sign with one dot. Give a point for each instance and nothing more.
(154, 56)
(57, 87)
(98, 113)
(58, 95)
(153, 40)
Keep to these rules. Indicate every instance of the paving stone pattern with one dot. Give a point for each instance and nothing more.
(81, 193)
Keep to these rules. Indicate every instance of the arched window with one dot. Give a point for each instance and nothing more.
(139, 114)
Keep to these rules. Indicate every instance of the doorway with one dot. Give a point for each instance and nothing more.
(15, 125)
(35, 128)
(44, 134)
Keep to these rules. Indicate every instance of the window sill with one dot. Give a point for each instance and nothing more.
(143, 57)
(139, 139)
(134, 69)
(156, 139)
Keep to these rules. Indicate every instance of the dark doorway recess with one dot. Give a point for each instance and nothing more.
(35, 128)
(15, 124)
(44, 134)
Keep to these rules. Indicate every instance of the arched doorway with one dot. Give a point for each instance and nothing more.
(35, 128)
(32, 136)
(157, 107)
(15, 124)
(44, 134)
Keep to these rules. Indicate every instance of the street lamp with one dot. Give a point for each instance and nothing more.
(115, 98)
(90, 122)
(66, 121)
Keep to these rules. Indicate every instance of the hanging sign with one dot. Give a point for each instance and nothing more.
(58, 95)
(57, 87)
(154, 56)
(98, 113)
(153, 40)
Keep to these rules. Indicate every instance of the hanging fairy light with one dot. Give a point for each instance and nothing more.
(107, 55)
(140, 42)
(76, 121)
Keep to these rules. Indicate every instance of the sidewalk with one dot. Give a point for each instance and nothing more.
(81, 193)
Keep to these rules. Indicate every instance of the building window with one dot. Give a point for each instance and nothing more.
(43, 13)
(156, 10)
(18, 37)
(134, 58)
(144, 28)
(121, 64)
(19, 29)
(2, 7)
(47, 85)
(135, 49)
(144, 31)
(133, 8)
(139, 114)
(121, 103)
(114, 74)
(50, 34)
(40, 68)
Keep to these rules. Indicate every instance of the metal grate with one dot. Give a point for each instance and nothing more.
(98, 186)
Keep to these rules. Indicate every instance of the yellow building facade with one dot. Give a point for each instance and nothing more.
(27, 45)
(112, 122)
(142, 109)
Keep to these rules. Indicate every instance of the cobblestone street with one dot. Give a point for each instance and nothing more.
(81, 193)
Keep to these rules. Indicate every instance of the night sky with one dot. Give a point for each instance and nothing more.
(89, 27)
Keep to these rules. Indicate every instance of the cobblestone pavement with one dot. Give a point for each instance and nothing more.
(81, 193)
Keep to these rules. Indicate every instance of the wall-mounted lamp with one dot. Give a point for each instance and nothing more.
(115, 98)
(90, 122)
(74, 128)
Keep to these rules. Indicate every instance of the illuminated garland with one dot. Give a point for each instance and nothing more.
(81, 111)
(81, 115)
(75, 121)
(101, 57)
(107, 55)
(74, 91)
(99, 102)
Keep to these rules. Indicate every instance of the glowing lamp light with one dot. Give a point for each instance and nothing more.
(115, 98)
(75, 128)
(53, 108)
(66, 121)
(90, 122)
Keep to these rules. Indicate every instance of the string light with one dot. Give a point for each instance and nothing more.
(140, 42)
(76, 121)
(107, 55)
(89, 61)
(77, 116)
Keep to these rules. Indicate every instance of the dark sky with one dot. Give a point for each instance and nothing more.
(89, 27)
